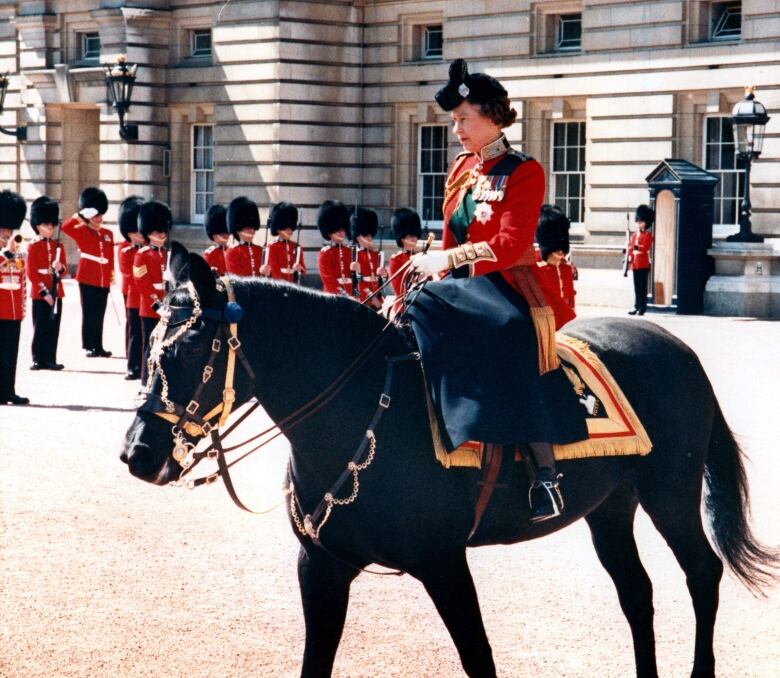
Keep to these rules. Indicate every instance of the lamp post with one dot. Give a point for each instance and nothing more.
(19, 132)
(120, 79)
(748, 120)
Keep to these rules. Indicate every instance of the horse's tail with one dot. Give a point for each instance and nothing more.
(728, 505)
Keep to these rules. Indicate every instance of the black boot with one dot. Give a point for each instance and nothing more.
(544, 494)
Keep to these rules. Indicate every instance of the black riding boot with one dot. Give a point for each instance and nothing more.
(544, 494)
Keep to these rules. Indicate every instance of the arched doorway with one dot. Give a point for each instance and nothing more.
(665, 254)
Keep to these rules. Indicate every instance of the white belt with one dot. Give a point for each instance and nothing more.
(159, 286)
(369, 278)
(343, 281)
(44, 271)
(287, 270)
(10, 286)
(92, 257)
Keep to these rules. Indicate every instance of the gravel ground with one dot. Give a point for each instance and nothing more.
(102, 575)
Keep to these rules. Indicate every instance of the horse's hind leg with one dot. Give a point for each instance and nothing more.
(679, 522)
(324, 583)
(448, 581)
(612, 530)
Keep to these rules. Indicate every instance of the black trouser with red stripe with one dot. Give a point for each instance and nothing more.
(93, 310)
(134, 340)
(46, 331)
(640, 288)
(147, 325)
(9, 351)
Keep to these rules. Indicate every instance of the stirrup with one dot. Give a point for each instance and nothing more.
(553, 490)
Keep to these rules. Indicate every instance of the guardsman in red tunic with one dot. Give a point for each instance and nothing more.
(154, 224)
(12, 294)
(284, 255)
(552, 234)
(334, 259)
(217, 231)
(407, 230)
(491, 208)
(640, 245)
(134, 241)
(364, 224)
(46, 265)
(96, 266)
(243, 220)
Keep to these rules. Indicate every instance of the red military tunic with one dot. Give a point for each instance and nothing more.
(244, 259)
(215, 258)
(126, 257)
(507, 225)
(96, 263)
(333, 263)
(368, 260)
(41, 255)
(282, 256)
(148, 270)
(558, 280)
(639, 246)
(13, 285)
(396, 262)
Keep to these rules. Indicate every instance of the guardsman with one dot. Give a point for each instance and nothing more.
(640, 245)
(154, 224)
(13, 287)
(134, 241)
(217, 231)
(285, 256)
(96, 266)
(552, 235)
(46, 265)
(364, 225)
(407, 230)
(243, 220)
(492, 199)
(334, 259)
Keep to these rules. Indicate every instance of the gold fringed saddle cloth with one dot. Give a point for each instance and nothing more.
(613, 427)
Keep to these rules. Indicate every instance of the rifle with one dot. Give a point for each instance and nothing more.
(264, 261)
(355, 276)
(55, 277)
(625, 249)
(297, 274)
(381, 255)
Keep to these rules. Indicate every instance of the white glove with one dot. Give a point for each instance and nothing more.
(430, 263)
(88, 213)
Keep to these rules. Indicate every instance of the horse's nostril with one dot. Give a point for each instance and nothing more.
(123, 456)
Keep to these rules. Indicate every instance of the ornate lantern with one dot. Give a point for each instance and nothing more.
(120, 79)
(19, 132)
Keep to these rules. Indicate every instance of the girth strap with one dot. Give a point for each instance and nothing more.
(493, 457)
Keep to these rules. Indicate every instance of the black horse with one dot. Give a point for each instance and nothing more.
(412, 514)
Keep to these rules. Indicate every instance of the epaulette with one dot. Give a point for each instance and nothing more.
(210, 249)
(523, 156)
(144, 249)
(127, 247)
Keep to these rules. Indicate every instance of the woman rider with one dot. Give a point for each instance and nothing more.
(486, 330)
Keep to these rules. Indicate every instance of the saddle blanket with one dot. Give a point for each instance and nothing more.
(613, 427)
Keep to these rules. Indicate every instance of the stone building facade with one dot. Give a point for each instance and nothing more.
(303, 101)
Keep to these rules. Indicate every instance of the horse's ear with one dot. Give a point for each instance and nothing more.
(179, 264)
(203, 278)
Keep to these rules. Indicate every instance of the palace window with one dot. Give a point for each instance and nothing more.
(720, 160)
(432, 173)
(432, 42)
(200, 43)
(202, 181)
(89, 46)
(568, 33)
(726, 21)
(568, 169)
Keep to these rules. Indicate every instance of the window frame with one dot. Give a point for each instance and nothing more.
(195, 217)
(578, 219)
(718, 14)
(83, 38)
(194, 33)
(435, 225)
(738, 171)
(560, 19)
(424, 43)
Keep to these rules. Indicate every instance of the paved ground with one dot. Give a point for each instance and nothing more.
(102, 575)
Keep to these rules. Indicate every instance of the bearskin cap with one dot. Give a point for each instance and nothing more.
(476, 88)
(13, 209)
(363, 221)
(128, 215)
(154, 216)
(283, 215)
(44, 210)
(331, 217)
(242, 213)
(94, 198)
(216, 221)
(405, 221)
(552, 232)
(645, 213)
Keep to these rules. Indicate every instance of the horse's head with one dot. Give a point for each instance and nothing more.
(197, 373)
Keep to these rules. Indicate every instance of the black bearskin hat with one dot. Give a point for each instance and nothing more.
(552, 233)
(283, 215)
(363, 221)
(44, 210)
(154, 216)
(405, 221)
(476, 88)
(216, 221)
(242, 213)
(13, 209)
(645, 213)
(128, 215)
(95, 198)
(332, 216)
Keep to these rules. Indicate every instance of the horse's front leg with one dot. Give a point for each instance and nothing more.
(447, 579)
(324, 583)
